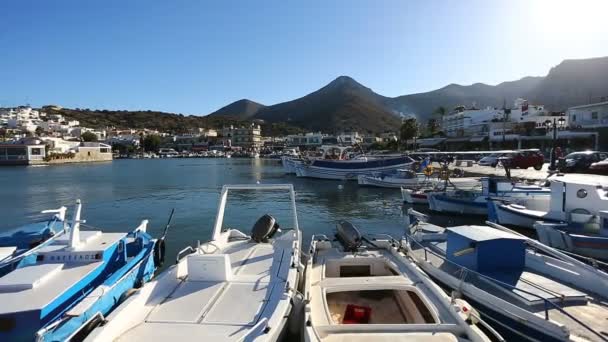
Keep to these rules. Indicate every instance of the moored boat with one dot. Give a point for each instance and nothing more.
(475, 202)
(17, 243)
(237, 286)
(364, 288)
(72, 281)
(574, 199)
(400, 178)
(524, 294)
(351, 169)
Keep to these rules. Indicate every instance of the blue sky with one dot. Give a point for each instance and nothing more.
(193, 57)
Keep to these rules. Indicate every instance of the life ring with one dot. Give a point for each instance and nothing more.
(159, 252)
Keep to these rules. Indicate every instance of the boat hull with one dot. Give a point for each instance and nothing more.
(390, 182)
(551, 235)
(507, 215)
(414, 197)
(445, 204)
(349, 170)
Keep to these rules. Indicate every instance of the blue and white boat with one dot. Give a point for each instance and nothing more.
(524, 294)
(17, 243)
(399, 178)
(574, 199)
(72, 282)
(475, 202)
(351, 169)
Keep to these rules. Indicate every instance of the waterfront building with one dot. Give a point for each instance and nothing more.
(25, 152)
(594, 115)
(244, 136)
(305, 140)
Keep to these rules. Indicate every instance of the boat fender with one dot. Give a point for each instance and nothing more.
(159, 252)
(348, 235)
(465, 310)
(264, 228)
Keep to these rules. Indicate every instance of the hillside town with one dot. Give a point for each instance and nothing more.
(31, 136)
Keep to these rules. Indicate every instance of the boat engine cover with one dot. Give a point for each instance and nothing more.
(265, 227)
(348, 235)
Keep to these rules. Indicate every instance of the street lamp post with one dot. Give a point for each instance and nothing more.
(554, 126)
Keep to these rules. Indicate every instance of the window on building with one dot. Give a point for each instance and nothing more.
(36, 151)
(573, 117)
(104, 150)
(593, 115)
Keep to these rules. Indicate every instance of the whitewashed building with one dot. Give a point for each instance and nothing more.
(594, 115)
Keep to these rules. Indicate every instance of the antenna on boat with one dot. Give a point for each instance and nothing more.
(75, 231)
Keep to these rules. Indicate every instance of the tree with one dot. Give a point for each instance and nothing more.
(440, 111)
(432, 126)
(39, 131)
(408, 130)
(88, 136)
(152, 143)
(3, 133)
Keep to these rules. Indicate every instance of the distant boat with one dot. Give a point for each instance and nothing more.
(351, 169)
(17, 243)
(73, 281)
(237, 286)
(420, 195)
(526, 290)
(400, 178)
(475, 202)
(363, 288)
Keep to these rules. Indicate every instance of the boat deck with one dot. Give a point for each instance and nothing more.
(221, 309)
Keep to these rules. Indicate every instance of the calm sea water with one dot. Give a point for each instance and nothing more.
(116, 196)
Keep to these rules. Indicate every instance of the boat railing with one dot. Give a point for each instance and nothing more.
(466, 272)
(183, 252)
(260, 328)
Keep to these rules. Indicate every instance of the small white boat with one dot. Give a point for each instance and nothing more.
(421, 195)
(236, 287)
(573, 199)
(351, 169)
(524, 294)
(366, 289)
(475, 202)
(400, 178)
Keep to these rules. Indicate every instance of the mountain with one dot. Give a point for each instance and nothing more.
(241, 109)
(572, 82)
(342, 105)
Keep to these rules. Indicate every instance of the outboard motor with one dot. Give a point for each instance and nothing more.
(348, 235)
(265, 227)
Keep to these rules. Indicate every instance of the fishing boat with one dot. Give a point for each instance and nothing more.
(526, 290)
(475, 202)
(352, 168)
(73, 281)
(400, 178)
(420, 195)
(237, 286)
(17, 243)
(289, 163)
(363, 288)
(574, 199)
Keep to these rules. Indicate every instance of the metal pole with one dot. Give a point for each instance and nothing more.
(552, 165)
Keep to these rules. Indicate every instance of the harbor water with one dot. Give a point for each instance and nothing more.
(118, 195)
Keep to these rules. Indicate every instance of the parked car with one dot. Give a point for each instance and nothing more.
(491, 160)
(581, 161)
(526, 159)
(600, 168)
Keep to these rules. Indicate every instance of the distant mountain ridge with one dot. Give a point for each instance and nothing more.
(345, 104)
(241, 109)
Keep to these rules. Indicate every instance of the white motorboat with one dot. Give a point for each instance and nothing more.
(524, 294)
(475, 202)
(366, 289)
(236, 287)
(574, 199)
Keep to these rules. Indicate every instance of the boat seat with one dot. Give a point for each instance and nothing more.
(209, 267)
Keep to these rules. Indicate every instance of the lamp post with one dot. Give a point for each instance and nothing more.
(554, 126)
